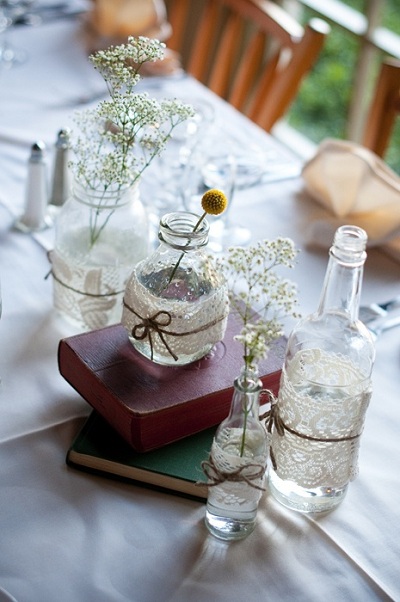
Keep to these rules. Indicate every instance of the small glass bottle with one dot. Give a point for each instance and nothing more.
(176, 305)
(99, 236)
(325, 389)
(236, 469)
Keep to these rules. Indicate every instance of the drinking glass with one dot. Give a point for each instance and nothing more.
(168, 168)
(1, 311)
(10, 10)
(214, 170)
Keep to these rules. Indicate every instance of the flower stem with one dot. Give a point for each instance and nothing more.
(183, 253)
(243, 438)
(245, 410)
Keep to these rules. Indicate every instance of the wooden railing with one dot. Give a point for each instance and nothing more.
(375, 42)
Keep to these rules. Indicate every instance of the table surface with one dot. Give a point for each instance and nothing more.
(66, 535)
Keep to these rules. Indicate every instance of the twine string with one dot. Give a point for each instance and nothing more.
(75, 290)
(84, 293)
(154, 324)
(215, 476)
(274, 420)
(157, 324)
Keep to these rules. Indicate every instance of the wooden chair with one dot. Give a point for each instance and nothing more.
(250, 52)
(384, 108)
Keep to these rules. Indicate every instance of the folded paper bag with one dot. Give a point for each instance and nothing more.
(355, 186)
(121, 18)
(110, 22)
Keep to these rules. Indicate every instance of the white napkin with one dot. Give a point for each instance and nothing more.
(354, 186)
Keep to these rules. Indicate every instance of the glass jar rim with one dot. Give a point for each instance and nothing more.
(114, 196)
(177, 230)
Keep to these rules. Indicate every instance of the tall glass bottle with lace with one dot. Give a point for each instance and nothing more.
(325, 389)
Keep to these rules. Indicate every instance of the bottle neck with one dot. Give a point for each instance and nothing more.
(342, 287)
(247, 389)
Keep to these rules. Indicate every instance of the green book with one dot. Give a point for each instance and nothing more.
(175, 467)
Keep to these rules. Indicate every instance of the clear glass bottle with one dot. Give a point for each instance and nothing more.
(99, 237)
(236, 470)
(176, 305)
(325, 389)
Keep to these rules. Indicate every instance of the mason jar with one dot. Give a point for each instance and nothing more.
(176, 305)
(99, 236)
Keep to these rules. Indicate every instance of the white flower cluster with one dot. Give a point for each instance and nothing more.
(261, 296)
(120, 65)
(121, 136)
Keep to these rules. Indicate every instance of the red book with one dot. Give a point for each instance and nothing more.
(151, 405)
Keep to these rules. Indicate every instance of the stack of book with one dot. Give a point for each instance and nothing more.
(145, 406)
(98, 448)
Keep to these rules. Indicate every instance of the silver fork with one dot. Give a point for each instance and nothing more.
(379, 317)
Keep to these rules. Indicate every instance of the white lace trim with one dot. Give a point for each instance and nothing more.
(335, 410)
(237, 493)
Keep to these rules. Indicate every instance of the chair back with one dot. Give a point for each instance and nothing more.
(250, 52)
(384, 108)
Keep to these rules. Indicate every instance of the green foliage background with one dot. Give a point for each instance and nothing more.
(320, 110)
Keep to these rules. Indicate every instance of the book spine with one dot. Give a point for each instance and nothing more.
(152, 430)
(91, 387)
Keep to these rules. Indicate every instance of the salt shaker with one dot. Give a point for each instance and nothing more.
(36, 194)
(60, 185)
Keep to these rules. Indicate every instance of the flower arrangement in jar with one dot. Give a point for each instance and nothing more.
(102, 229)
(261, 298)
(176, 302)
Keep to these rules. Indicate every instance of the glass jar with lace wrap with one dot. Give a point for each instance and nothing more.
(325, 389)
(100, 235)
(176, 304)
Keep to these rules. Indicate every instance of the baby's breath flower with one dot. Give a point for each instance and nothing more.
(121, 136)
(259, 294)
(120, 65)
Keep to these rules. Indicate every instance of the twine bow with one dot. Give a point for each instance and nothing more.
(216, 476)
(272, 417)
(157, 323)
(154, 324)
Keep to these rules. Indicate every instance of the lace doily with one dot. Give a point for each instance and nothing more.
(193, 325)
(242, 479)
(322, 423)
(87, 295)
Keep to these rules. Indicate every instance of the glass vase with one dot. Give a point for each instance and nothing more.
(325, 389)
(176, 305)
(237, 463)
(99, 237)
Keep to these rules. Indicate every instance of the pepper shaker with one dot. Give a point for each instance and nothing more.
(60, 180)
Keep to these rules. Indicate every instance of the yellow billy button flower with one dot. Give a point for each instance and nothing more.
(214, 202)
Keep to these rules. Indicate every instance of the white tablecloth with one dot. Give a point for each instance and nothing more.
(68, 536)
